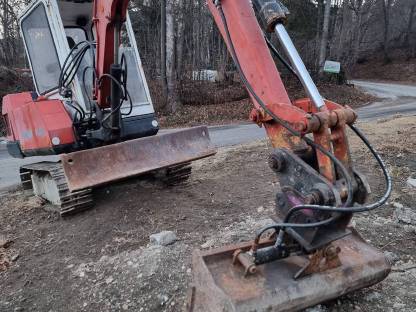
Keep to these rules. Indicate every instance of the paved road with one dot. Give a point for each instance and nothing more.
(394, 99)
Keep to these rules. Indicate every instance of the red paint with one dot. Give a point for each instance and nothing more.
(258, 65)
(106, 13)
(35, 123)
(261, 72)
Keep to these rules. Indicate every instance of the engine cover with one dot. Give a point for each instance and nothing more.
(37, 126)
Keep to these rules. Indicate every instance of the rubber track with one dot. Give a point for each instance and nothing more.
(71, 202)
(177, 174)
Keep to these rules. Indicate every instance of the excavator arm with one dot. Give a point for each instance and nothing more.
(108, 17)
(289, 123)
(311, 253)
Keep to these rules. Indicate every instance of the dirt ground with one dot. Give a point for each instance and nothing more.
(101, 260)
(401, 69)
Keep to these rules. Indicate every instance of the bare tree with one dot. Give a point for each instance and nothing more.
(386, 8)
(173, 103)
(407, 41)
(325, 33)
(163, 63)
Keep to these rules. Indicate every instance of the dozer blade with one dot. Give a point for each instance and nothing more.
(218, 285)
(98, 166)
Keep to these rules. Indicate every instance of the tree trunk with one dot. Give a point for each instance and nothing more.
(181, 39)
(409, 30)
(318, 31)
(163, 52)
(386, 15)
(173, 104)
(325, 33)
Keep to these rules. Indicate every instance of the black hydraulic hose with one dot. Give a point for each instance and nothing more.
(280, 57)
(123, 91)
(86, 91)
(73, 62)
(359, 209)
(377, 204)
(346, 208)
(67, 60)
(124, 82)
(69, 70)
(281, 121)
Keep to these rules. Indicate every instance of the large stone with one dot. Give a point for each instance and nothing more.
(164, 238)
(411, 182)
(405, 215)
(318, 308)
(5, 242)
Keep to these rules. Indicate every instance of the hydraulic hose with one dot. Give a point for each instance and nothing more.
(347, 208)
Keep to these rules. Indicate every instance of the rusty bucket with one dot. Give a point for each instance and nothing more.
(102, 165)
(220, 285)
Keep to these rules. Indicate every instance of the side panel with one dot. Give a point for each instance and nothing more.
(40, 127)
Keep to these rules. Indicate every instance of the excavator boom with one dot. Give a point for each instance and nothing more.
(310, 253)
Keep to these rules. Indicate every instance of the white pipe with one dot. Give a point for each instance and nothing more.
(299, 66)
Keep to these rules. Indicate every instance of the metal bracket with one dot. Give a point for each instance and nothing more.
(322, 260)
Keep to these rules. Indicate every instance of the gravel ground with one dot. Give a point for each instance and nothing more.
(102, 260)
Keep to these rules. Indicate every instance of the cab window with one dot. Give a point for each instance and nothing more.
(41, 50)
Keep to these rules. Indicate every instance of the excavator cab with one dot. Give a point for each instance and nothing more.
(51, 29)
(91, 106)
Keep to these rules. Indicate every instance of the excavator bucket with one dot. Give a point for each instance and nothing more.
(220, 285)
(95, 167)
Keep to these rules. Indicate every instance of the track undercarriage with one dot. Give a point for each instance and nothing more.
(47, 180)
(68, 183)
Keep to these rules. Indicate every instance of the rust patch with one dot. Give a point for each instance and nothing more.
(98, 166)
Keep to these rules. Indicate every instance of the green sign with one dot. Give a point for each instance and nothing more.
(332, 67)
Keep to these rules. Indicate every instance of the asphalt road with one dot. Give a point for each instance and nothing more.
(394, 99)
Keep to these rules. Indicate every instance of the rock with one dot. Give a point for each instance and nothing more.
(411, 182)
(392, 258)
(405, 215)
(260, 209)
(318, 308)
(15, 257)
(373, 296)
(398, 306)
(163, 299)
(4, 242)
(164, 238)
(398, 205)
(109, 280)
(208, 244)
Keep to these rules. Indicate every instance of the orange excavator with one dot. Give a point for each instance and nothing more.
(311, 253)
(91, 106)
